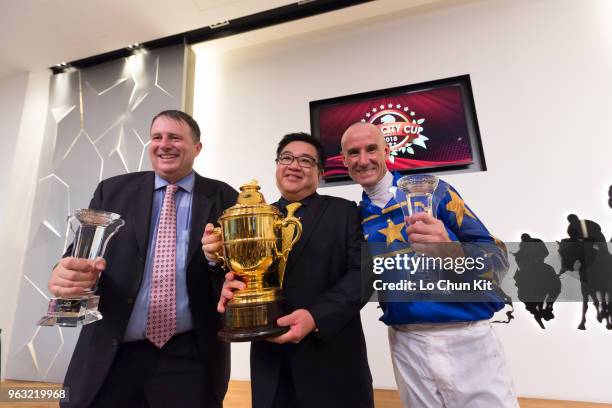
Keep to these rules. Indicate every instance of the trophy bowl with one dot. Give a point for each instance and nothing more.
(415, 192)
(256, 243)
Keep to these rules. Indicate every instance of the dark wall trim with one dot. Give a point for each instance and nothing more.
(240, 25)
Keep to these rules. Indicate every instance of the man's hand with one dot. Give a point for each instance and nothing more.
(300, 322)
(424, 228)
(428, 235)
(72, 276)
(227, 292)
(211, 243)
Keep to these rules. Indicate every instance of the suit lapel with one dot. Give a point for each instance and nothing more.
(200, 213)
(310, 219)
(142, 219)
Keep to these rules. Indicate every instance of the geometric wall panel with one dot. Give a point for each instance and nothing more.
(58, 194)
(42, 255)
(81, 164)
(100, 119)
(68, 128)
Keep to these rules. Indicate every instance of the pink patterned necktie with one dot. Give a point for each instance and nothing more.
(161, 323)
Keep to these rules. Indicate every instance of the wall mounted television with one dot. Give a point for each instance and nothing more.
(430, 127)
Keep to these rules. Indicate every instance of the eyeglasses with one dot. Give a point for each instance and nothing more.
(303, 161)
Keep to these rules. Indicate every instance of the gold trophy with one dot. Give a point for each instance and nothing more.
(253, 247)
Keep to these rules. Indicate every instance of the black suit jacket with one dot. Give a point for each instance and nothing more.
(329, 367)
(131, 196)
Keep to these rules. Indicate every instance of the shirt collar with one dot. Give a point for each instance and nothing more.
(381, 188)
(186, 183)
(367, 202)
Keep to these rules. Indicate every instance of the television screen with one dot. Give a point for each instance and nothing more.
(429, 127)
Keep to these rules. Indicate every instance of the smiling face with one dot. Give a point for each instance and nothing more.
(172, 149)
(364, 153)
(295, 182)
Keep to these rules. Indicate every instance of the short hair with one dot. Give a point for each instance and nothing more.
(303, 137)
(181, 116)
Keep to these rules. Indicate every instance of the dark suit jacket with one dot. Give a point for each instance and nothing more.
(131, 196)
(329, 367)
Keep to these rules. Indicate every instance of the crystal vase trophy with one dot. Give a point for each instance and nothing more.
(92, 230)
(414, 193)
(256, 243)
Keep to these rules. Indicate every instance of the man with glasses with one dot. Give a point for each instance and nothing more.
(321, 361)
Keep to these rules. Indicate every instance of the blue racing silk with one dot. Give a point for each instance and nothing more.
(386, 230)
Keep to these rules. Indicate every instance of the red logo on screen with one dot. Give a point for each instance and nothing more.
(402, 131)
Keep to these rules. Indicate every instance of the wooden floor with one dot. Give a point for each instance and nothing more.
(239, 396)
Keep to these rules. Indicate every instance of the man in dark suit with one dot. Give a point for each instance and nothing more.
(126, 360)
(321, 361)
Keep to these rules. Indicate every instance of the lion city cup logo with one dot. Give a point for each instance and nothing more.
(402, 131)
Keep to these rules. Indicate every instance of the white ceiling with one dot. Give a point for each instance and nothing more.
(37, 34)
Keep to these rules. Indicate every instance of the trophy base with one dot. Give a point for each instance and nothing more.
(71, 312)
(252, 321)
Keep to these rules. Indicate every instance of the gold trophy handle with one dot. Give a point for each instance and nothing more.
(290, 219)
(297, 233)
(220, 254)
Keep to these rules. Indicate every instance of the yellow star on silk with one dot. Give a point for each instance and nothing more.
(393, 232)
(457, 206)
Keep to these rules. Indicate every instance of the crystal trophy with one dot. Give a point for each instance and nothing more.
(92, 230)
(414, 194)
